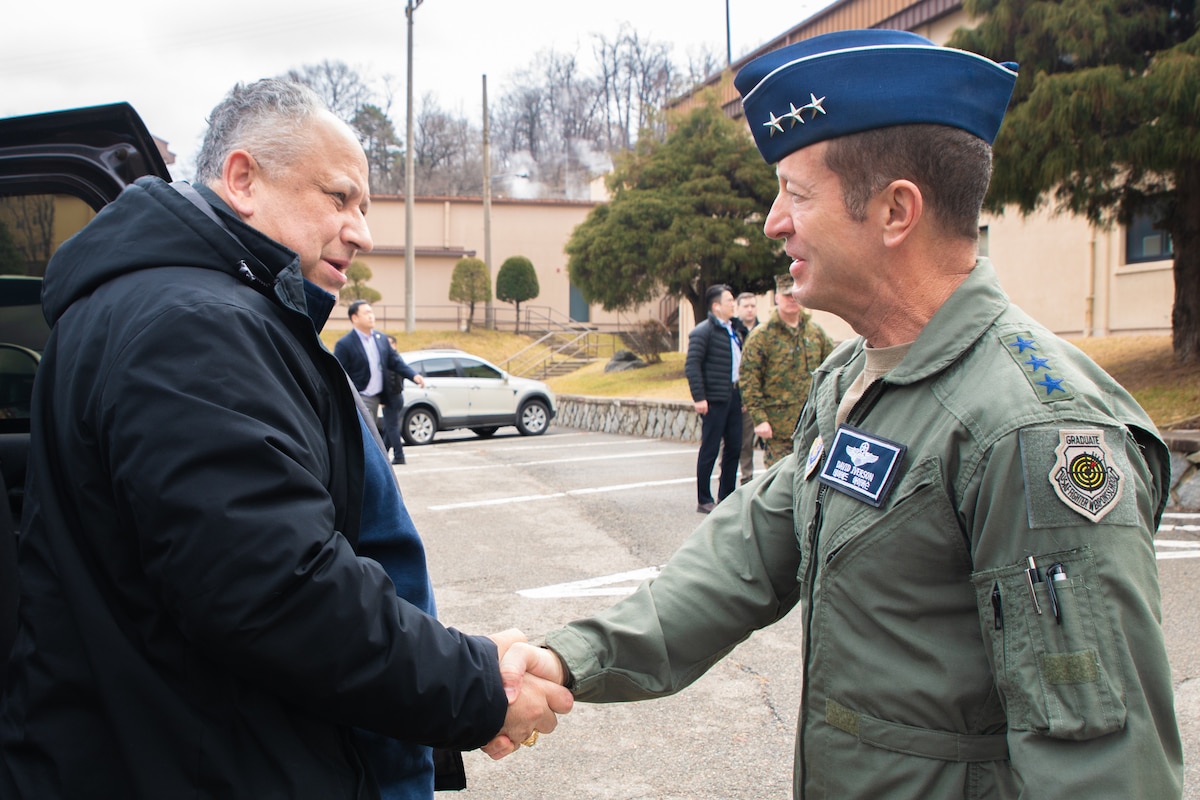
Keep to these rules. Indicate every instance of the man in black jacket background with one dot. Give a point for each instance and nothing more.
(713, 356)
(222, 594)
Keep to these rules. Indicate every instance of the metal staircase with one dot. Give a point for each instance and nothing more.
(563, 345)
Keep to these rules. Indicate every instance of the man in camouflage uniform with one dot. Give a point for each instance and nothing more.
(777, 365)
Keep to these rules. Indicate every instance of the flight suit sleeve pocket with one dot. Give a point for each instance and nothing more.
(1052, 647)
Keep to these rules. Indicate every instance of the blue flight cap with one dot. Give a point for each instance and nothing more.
(850, 81)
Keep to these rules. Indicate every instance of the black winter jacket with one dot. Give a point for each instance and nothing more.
(709, 362)
(195, 621)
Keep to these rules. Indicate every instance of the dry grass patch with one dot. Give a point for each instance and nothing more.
(1146, 367)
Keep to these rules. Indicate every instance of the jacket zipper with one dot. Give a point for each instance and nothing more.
(860, 410)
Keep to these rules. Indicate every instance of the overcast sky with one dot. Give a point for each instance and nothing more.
(173, 65)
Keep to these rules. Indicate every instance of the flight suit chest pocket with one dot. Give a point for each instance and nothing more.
(1052, 645)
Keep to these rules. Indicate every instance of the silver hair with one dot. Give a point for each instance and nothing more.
(267, 118)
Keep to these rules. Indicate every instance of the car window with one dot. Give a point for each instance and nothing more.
(437, 368)
(477, 369)
(32, 226)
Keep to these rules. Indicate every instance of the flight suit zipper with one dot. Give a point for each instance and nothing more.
(860, 410)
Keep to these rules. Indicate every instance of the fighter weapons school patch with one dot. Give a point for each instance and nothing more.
(1084, 475)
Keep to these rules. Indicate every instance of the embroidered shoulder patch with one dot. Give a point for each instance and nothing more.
(1038, 369)
(1084, 475)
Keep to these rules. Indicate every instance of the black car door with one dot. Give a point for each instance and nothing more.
(56, 171)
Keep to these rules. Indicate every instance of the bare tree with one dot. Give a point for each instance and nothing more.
(556, 123)
(699, 66)
(447, 152)
(553, 114)
(31, 222)
(637, 79)
(340, 86)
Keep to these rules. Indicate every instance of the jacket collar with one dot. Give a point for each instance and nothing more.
(955, 327)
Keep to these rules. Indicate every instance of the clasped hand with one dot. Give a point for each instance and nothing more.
(532, 678)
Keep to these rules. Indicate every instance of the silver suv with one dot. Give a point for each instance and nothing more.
(465, 391)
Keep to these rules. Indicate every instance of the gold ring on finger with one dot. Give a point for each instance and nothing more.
(532, 740)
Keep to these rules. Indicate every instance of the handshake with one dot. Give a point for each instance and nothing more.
(533, 678)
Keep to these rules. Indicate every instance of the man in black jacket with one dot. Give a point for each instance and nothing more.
(713, 356)
(222, 594)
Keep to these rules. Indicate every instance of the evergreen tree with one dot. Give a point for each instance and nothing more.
(1105, 119)
(383, 148)
(686, 212)
(470, 284)
(517, 282)
(357, 275)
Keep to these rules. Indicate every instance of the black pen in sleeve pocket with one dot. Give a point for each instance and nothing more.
(1057, 572)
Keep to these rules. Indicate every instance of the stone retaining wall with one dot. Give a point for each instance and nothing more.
(673, 419)
(1185, 470)
(660, 419)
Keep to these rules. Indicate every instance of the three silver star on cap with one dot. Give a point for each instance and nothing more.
(796, 114)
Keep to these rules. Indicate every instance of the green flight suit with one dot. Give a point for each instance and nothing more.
(928, 670)
(776, 372)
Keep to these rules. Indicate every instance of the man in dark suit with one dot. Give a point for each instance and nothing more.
(713, 357)
(367, 358)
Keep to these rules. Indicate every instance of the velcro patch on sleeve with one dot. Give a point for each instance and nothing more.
(1077, 472)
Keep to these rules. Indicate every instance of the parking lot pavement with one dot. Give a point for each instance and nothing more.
(532, 532)
(513, 514)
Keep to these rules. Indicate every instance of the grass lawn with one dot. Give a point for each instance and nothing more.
(494, 346)
(1144, 365)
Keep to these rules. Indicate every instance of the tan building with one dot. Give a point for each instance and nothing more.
(446, 229)
(1073, 277)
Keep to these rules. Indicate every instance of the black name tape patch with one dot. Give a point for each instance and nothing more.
(861, 465)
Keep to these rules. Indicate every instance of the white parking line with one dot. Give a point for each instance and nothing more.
(596, 587)
(608, 443)
(475, 441)
(498, 464)
(500, 501)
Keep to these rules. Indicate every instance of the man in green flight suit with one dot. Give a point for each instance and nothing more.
(777, 364)
(967, 522)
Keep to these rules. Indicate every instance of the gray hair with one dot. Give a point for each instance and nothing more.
(267, 118)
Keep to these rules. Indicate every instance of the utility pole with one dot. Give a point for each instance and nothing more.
(410, 298)
(489, 316)
(728, 45)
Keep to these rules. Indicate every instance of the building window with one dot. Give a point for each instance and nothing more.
(1144, 242)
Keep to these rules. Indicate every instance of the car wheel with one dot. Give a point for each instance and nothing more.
(486, 433)
(419, 426)
(533, 418)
